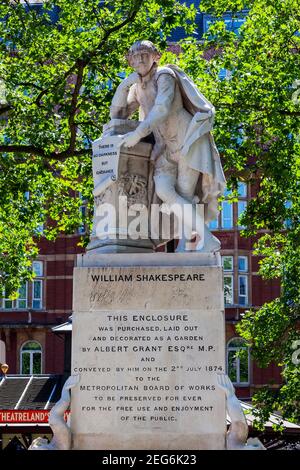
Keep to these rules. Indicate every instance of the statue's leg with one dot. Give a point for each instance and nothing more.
(186, 186)
(182, 207)
(193, 217)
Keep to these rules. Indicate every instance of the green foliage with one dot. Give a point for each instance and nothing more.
(257, 130)
(57, 81)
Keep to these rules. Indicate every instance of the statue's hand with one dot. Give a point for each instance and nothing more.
(225, 384)
(71, 382)
(130, 139)
(131, 79)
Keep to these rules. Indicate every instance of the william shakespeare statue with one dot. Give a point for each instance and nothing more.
(187, 168)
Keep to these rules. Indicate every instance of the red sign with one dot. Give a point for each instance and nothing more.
(25, 416)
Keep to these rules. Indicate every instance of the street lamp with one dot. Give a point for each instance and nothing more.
(4, 368)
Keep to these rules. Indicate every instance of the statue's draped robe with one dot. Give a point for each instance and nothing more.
(181, 119)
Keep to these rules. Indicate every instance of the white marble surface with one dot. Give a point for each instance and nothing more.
(148, 259)
(148, 352)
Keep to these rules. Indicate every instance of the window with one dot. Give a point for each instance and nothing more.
(213, 224)
(227, 262)
(31, 358)
(234, 24)
(37, 295)
(37, 285)
(8, 303)
(227, 215)
(242, 190)
(21, 301)
(242, 280)
(238, 360)
(243, 290)
(30, 293)
(37, 267)
(242, 202)
(235, 280)
(241, 208)
(228, 289)
(243, 263)
(230, 211)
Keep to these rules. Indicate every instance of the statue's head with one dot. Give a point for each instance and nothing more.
(142, 55)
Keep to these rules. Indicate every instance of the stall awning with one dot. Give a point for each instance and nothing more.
(28, 398)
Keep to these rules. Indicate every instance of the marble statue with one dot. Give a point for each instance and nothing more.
(62, 437)
(236, 438)
(187, 167)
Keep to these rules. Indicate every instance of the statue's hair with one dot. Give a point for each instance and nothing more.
(143, 46)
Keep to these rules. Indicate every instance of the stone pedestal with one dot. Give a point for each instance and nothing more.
(148, 341)
(126, 191)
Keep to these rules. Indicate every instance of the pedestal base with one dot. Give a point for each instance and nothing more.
(149, 441)
(148, 342)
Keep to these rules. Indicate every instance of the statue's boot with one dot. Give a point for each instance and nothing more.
(207, 243)
(190, 219)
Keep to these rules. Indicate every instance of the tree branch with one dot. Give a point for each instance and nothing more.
(85, 61)
(258, 108)
(88, 123)
(33, 85)
(98, 18)
(131, 16)
(55, 84)
(22, 149)
(32, 150)
(78, 66)
(4, 109)
(75, 95)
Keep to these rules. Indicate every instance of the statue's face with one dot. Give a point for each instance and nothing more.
(142, 61)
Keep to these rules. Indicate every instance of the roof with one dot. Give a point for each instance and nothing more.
(274, 419)
(64, 327)
(35, 392)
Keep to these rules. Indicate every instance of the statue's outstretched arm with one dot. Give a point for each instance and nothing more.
(162, 105)
(159, 112)
(124, 102)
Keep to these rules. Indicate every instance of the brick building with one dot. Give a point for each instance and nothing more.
(29, 345)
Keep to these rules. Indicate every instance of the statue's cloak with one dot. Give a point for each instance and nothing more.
(199, 147)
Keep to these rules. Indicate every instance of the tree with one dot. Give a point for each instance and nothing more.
(257, 130)
(59, 66)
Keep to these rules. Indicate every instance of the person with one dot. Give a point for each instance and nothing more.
(187, 164)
